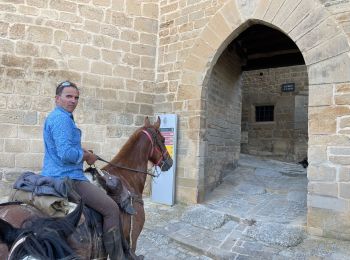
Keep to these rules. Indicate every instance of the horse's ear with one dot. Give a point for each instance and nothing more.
(147, 122)
(70, 222)
(157, 123)
(8, 233)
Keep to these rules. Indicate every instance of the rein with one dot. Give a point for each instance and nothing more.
(125, 168)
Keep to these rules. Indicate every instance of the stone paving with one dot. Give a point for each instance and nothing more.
(258, 212)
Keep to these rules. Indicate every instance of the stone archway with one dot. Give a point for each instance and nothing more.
(325, 50)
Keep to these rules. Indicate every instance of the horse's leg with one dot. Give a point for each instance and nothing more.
(132, 226)
(138, 222)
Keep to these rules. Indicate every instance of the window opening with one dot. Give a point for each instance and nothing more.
(264, 113)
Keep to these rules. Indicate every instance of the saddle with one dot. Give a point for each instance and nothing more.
(114, 188)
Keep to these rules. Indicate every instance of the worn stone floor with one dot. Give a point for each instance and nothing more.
(258, 212)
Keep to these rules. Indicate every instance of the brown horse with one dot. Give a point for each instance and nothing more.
(130, 164)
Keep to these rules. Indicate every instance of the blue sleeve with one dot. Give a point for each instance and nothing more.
(67, 140)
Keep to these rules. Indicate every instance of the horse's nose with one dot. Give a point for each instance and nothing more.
(167, 164)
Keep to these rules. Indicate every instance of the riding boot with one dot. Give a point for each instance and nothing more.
(113, 244)
(127, 207)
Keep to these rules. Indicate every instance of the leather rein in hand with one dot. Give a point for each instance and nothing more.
(125, 168)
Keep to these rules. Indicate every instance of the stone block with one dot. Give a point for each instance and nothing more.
(133, 7)
(30, 132)
(211, 38)
(105, 118)
(52, 52)
(111, 56)
(44, 64)
(186, 92)
(143, 49)
(144, 98)
(8, 131)
(344, 174)
(92, 26)
(150, 39)
(90, 52)
(62, 5)
(147, 62)
(255, 9)
(326, 50)
(101, 68)
(125, 119)
(327, 203)
(129, 35)
(150, 10)
(143, 74)
(26, 49)
(344, 190)
(106, 94)
(80, 36)
(112, 105)
(323, 189)
(146, 25)
(231, 14)
(7, 46)
(41, 104)
(102, 41)
(110, 30)
(17, 31)
(40, 34)
(94, 133)
(186, 194)
(28, 160)
(320, 95)
(322, 120)
(343, 160)
(70, 49)
(113, 83)
(322, 173)
(122, 71)
(332, 223)
(126, 96)
(16, 146)
(36, 146)
(20, 102)
(79, 64)
(343, 99)
(146, 110)
(7, 160)
(273, 9)
(296, 17)
(317, 154)
(284, 12)
(321, 33)
(132, 108)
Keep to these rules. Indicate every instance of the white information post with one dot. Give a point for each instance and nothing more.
(163, 187)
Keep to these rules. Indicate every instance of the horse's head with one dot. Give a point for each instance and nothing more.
(158, 155)
(44, 238)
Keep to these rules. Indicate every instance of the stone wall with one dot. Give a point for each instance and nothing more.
(108, 47)
(223, 119)
(285, 138)
(136, 57)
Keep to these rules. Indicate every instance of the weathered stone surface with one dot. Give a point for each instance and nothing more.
(276, 234)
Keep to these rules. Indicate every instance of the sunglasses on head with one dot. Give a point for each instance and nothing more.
(63, 85)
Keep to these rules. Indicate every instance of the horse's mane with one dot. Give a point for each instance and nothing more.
(46, 237)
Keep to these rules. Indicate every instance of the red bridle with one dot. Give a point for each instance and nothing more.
(153, 147)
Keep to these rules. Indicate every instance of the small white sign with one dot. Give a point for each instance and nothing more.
(163, 187)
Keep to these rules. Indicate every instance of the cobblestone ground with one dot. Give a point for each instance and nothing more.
(258, 212)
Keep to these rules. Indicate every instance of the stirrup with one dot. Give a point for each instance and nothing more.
(127, 207)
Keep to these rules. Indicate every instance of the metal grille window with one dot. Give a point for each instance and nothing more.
(264, 113)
